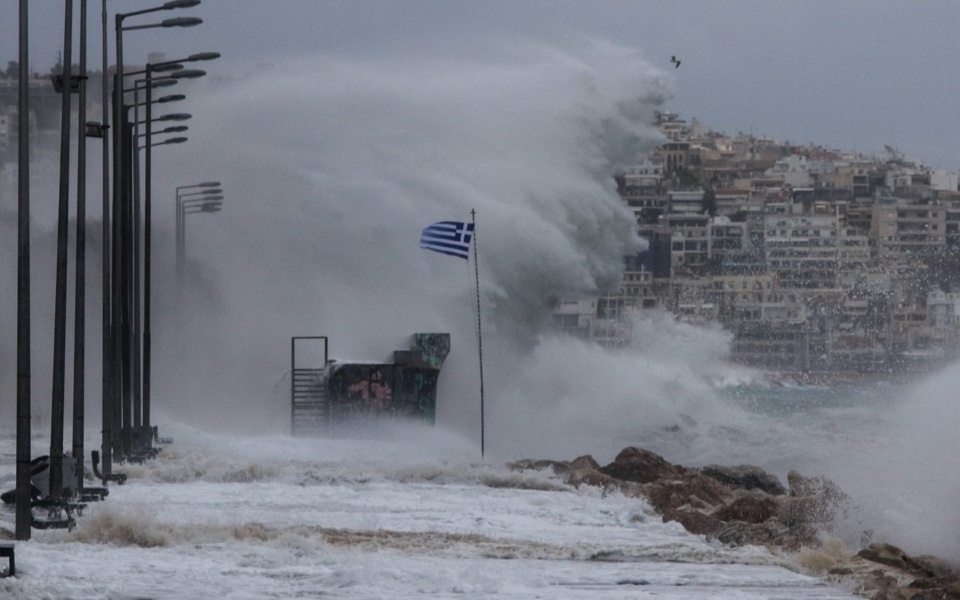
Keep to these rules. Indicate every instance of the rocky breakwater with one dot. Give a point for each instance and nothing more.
(744, 504)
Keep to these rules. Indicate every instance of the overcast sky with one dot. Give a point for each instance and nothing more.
(855, 75)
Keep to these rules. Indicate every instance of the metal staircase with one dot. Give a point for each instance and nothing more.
(309, 401)
(309, 406)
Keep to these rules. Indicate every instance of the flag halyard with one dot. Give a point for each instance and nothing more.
(448, 237)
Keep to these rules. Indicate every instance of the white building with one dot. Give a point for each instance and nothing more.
(791, 170)
(947, 181)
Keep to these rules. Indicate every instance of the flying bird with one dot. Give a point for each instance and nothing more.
(676, 62)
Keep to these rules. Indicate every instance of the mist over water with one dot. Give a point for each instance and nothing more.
(333, 166)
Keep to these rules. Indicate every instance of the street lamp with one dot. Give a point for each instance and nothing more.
(121, 309)
(210, 204)
(60, 294)
(171, 129)
(179, 196)
(208, 195)
(150, 83)
(24, 518)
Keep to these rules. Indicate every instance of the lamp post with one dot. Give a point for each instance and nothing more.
(205, 188)
(141, 337)
(139, 438)
(211, 204)
(24, 518)
(171, 129)
(182, 201)
(120, 354)
(145, 435)
(80, 289)
(60, 294)
(128, 296)
(148, 221)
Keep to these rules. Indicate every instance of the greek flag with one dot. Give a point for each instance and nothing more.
(448, 237)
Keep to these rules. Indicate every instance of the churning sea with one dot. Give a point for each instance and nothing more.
(412, 511)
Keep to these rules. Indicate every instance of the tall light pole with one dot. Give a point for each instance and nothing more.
(80, 310)
(128, 295)
(106, 362)
(60, 294)
(182, 202)
(139, 370)
(24, 519)
(209, 204)
(120, 303)
(148, 228)
(206, 185)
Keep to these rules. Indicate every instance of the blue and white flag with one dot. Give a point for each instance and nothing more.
(448, 237)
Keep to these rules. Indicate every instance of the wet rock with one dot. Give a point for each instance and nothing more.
(747, 477)
(694, 521)
(887, 588)
(639, 465)
(948, 591)
(748, 510)
(745, 505)
(693, 490)
(758, 534)
(584, 462)
(890, 555)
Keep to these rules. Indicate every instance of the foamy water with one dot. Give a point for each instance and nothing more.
(256, 518)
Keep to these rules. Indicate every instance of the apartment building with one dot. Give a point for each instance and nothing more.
(904, 230)
(688, 242)
(801, 250)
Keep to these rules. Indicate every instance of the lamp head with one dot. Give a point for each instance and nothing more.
(181, 22)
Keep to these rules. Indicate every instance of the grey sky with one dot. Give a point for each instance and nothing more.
(855, 75)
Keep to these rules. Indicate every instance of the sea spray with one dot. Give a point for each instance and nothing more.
(332, 166)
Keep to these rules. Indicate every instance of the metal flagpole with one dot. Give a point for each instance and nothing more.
(476, 275)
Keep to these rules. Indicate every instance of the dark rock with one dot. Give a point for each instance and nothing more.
(639, 465)
(745, 476)
(890, 555)
(940, 568)
(759, 534)
(748, 509)
(694, 521)
(584, 462)
(935, 594)
(887, 589)
(949, 591)
(694, 490)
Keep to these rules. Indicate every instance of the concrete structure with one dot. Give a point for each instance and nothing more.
(802, 251)
(904, 230)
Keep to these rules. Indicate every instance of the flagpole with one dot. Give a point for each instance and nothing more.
(476, 275)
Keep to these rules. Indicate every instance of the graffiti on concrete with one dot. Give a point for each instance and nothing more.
(433, 347)
(407, 388)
